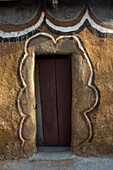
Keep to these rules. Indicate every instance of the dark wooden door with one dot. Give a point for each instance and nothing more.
(55, 91)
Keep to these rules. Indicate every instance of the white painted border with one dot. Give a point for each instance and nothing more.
(78, 25)
(16, 34)
(23, 115)
(63, 29)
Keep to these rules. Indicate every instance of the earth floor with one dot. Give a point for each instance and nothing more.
(58, 161)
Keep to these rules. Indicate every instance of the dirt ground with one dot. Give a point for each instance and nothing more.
(58, 161)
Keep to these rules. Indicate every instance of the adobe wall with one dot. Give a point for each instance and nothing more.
(97, 43)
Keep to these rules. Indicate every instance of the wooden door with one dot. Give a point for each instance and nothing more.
(55, 93)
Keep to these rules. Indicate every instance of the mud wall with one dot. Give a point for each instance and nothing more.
(95, 34)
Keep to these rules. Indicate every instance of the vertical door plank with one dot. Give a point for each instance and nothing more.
(63, 77)
(39, 135)
(48, 101)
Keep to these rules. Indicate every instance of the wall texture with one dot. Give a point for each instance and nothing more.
(93, 26)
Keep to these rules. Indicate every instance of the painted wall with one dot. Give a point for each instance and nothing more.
(92, 25)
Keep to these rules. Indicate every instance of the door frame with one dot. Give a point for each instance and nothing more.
(45, 43)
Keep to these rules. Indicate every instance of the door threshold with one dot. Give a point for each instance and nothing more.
(53, 149)
(52, 156)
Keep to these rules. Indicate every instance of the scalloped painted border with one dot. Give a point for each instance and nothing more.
(64, 27)
(89, 83)
(74, 25)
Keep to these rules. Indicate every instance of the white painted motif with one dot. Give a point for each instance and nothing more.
(78, 25)
(16, 34)
(24, 115)
(63, 29)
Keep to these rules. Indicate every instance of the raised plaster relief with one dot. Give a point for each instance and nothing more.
(55, 46)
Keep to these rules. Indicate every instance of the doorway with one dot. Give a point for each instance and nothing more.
(54, 89)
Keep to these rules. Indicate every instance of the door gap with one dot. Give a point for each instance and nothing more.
(57, 105)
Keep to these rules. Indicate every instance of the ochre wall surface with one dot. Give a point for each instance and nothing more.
(93, 26)
(10, 84)
(100, 53)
